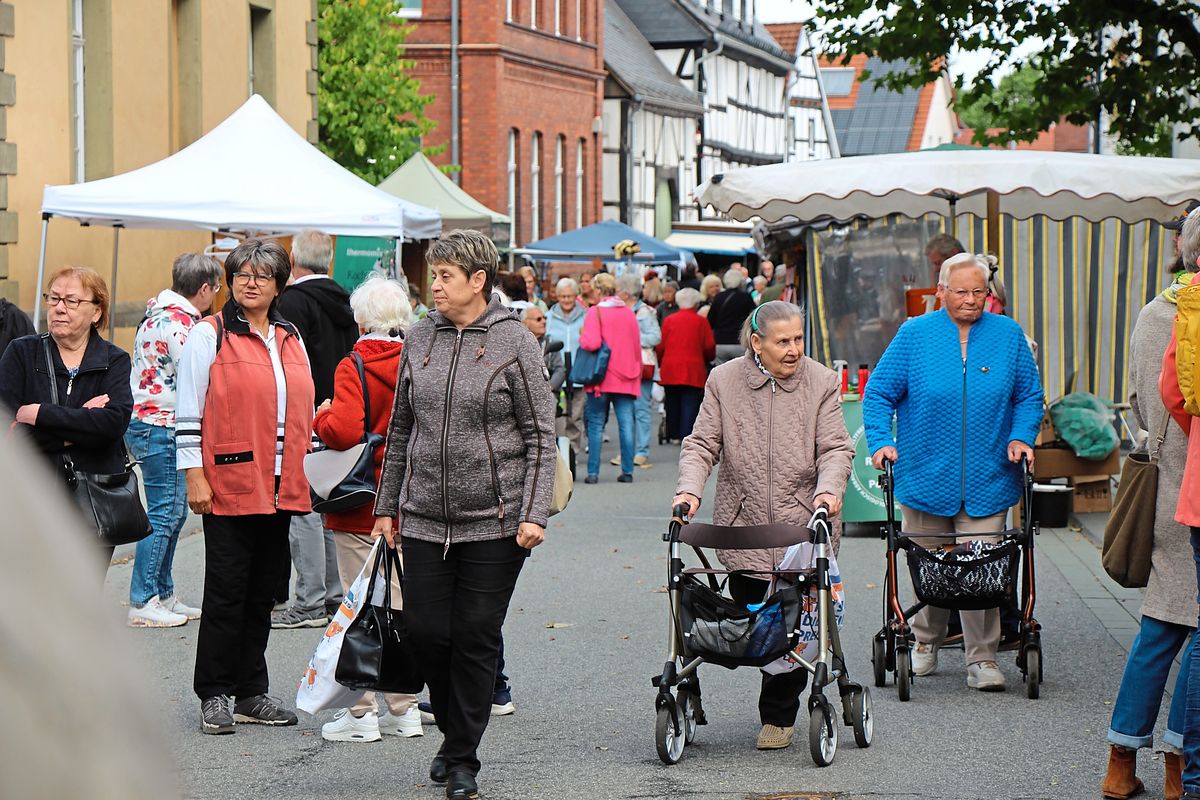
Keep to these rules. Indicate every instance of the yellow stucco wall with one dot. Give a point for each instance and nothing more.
(143, 122)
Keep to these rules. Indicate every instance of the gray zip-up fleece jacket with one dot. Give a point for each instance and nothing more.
(470, 448)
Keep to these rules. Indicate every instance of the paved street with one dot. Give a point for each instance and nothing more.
(587, 630)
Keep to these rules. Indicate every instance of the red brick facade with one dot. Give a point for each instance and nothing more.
(524, 78)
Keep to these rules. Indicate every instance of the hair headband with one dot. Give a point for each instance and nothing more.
(754, 319)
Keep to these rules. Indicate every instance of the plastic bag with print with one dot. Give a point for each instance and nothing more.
(801, 557)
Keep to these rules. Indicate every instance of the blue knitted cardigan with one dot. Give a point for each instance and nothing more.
(953, 421)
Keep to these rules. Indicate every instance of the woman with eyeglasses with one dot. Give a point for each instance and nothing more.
(962, 387)
(91, 375)
(243, 425)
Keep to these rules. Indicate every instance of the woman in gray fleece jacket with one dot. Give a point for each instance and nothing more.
(467, 480)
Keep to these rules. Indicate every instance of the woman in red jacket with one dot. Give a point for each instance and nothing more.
(686, 349)
(383, 312)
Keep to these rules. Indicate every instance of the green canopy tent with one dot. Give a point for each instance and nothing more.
(420, 178)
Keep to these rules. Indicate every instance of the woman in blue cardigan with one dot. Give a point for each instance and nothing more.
(964, 391)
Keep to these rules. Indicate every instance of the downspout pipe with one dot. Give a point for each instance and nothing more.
(696, 74)
(454, 92)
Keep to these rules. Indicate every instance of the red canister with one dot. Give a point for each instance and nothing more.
(862, 379)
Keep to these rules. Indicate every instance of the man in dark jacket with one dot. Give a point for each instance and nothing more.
(728, 311)
(14, 323)
(320, 309)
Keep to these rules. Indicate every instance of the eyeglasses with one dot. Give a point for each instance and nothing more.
(245, 277)
(963, 294)
(535, 319)
(70, 302)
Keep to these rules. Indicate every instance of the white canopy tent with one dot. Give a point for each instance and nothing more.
(251, 174)
(958, 181)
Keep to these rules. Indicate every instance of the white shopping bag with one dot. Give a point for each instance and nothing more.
(799, 557)
(318, 689)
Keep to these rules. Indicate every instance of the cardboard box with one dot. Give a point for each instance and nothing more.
(1047, 433)
(1061, 462)
(1093, 493)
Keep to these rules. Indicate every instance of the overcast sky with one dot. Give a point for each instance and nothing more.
(965, 64)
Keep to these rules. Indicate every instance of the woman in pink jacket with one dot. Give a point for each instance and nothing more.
(613, 323)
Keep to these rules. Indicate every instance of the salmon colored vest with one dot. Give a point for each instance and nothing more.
(238, 431)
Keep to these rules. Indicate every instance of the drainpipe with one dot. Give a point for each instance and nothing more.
(720, 42)
(454, 92)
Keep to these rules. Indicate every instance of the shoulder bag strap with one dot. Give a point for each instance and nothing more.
(50, 368)
(1162, 435)
(362, 380)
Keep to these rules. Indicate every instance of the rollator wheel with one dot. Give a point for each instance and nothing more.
(669, 744)
(1033, 672)
(879, 659)
(903, 673)
(687, 710)
(822, 734)
(864, 721)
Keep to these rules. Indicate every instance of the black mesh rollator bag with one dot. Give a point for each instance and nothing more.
(724, 632)
(968, 576)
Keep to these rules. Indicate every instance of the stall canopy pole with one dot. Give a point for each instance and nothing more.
(953, 226)
(112, 290)
(37, 307)
(993, 223)
(397, 267)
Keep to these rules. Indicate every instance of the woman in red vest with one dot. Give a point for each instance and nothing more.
(244, 423)
(686, 350)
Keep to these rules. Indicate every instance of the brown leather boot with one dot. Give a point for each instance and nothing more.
(1173, 783)
(1120, 782)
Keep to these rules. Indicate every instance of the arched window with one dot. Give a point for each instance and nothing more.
(560, 184)
(514, 197)
(535, 190)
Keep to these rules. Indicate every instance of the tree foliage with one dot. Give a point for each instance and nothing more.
(370, 109)
(1136, 60)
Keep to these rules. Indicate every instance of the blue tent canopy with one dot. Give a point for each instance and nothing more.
(597, 241)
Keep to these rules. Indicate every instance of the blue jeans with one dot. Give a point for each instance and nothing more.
(641, 412)
(1146, 671)
(166, 506)
(1191, 729)
(594, 412)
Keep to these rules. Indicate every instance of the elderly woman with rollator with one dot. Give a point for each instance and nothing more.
(467, 482)
(963, 389)
(771, 419)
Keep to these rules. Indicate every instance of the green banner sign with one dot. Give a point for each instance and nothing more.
(356, 257)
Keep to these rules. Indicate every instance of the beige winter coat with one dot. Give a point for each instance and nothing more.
(779, 444)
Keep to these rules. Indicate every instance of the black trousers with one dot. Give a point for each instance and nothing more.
(779, 698)
(455, 607)
(681, 404)
(242, 560)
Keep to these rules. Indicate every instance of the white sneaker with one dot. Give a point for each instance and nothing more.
(155, 615)
(406, 725)
(173, 603)
(346, 727)
(924, 659)
(985, 676)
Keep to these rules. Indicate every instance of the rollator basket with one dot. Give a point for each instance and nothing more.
(968, 576)
(724, 632)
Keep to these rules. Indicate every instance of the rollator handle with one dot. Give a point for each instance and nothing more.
(678, 520)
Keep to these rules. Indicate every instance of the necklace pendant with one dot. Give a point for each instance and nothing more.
(984, 369)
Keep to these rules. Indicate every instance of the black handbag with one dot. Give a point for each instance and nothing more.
(109, 502)
(343, 480)
(376, 652)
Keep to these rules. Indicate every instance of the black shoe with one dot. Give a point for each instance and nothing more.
(626, 477)
(592, 479)
(437, 769)
(262, 710)
(462, 786)
(216, 715)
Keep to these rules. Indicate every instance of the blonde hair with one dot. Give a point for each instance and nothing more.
(709, 280)
(605, 284)
(91, 282)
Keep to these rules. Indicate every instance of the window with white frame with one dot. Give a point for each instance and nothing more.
(579, 184)
(77, 95)
(533, 14)
(508, 11)
(560, 184)
(557, 17)
(535, 190)
(514, 149)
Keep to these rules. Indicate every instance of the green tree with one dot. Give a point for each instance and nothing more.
(1137, 60)
(370, 109)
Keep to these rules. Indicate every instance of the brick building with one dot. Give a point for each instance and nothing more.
(531, 93)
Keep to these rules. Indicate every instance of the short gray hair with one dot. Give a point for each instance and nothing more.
(191, 271)
(687, 298)
(734, 279)
(381, 305)
(468, 250)
(1189, 241)
(567, 283)
(762, 318)
(312, 250)
(944, 245)
(963, 261)
(629, 284)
